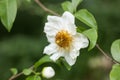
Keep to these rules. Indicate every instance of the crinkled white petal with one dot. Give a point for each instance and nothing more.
(53, 18)
(67, 16)
(51, 29)
(50, 49)
(51, 39)
(55, 24)
(74, 53)
(69, 60)
(69, 22)
(80, 41)
(55, 56)
(71, 28)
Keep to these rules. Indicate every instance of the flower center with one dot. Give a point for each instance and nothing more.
(63, 39)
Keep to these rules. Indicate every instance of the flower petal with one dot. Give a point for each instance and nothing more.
(71, 28)
(53, 18)
(68, 22)
(80, 41)
(74, 53)
(55, 56)
(50, 49)
(51, 39)
(50, 29)
(67, 16)
(56, 22)
(69, 60)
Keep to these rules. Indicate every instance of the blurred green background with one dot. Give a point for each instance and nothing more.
(24, 45)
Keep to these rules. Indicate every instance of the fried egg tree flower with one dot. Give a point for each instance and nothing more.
(48, 72)
(64, 40)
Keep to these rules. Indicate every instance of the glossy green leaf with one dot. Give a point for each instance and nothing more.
(115, 72)
(67, 6)
(71, 6)
(27, 71)
(86, 17)
(75, 3)
(34, 77)
(1, 8)
(9, 10)
(14, 71)
(43, 60)
(92, 35)
(115, 50)
(80, 29)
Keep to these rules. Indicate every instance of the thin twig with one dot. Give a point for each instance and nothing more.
(19, 74)
(46, 9)
(106, 55)
(15, 76)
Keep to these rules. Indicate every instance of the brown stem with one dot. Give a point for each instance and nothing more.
(19, 74)
(106, 55)
(46, 9)
(15, 76)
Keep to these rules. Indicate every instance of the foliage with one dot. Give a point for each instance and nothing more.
(34, 77)
(115, 50)
(86, 17)
(115, 72)
(92, 35)
(8, 11)
(71, 6)
(14, 71)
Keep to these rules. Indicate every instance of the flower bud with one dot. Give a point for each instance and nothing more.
(48, 72)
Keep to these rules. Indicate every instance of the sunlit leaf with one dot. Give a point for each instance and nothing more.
(27, 71)
(92, 35)
(86, 17)
(80, 29)
(71, 6)
(8, 12)
(43, 60)
(14, 71)
(67, 6)
(75, 3)
(34, 77)
(115, 50)
(115, 72)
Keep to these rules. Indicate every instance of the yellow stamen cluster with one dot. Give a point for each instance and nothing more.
(63, 39)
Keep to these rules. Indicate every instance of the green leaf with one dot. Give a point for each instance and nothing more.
(43, 60)
(1, 7)
(86, 17)
(80, 29)
(92, 35)
(9, 10)
(115, 50)
(115, 72)
(67, 6)
(14, 71)
(27, 71)
(75, 3)
(34, 77)
(71, 6)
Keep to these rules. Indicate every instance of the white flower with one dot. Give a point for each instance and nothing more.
(63, 38)
(48, 72)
